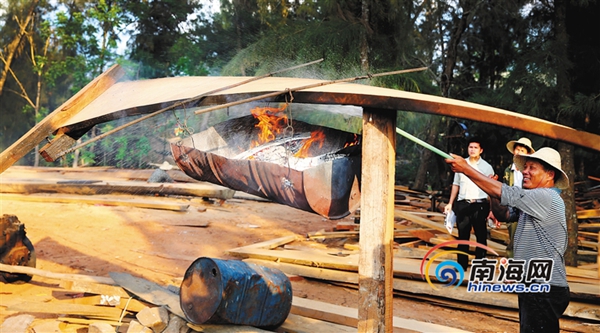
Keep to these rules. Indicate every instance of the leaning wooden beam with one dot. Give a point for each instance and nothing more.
(60, 116)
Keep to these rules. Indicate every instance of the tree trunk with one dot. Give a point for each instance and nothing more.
(568, 195)
(427, 156)
(566, 150)
(12, 47)
(364, 40)
(445, 83)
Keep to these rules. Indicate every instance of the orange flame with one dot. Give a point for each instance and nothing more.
(352, 143)
(315, 136)
(269, 123)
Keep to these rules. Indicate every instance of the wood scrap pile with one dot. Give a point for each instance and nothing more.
(94, 185)
(125, 303)
(587, 200)
(334, 256)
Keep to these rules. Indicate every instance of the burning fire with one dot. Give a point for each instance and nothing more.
(269, 123)
(353, 142)
(315, 136)
(272, 122)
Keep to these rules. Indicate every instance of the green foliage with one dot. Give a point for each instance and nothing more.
(509, 57)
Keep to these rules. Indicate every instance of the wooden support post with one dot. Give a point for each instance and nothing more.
(598, 256)
(60, 116)
(377, 221)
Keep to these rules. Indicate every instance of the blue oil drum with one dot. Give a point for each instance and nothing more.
(216, 291)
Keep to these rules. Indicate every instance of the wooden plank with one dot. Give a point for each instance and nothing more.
(589, 226)
(102, 312)
(87, 322)
(94, 200)
(149, 291)
(589, 235)
(499, 234)
(211, 328)
(423, 221)
(93, 288)
(117, 187)
(154, 94)
(377, 221)
(52, 275)
(91, 173)
(17, 324)
(349, 316)
(588, 214)
(303, 324)
(499, 248)
(60, 116)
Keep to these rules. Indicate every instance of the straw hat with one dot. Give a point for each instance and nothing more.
(523, 142)
(549, 156)
(164, 166)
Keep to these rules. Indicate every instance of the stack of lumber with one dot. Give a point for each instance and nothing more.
(587, 199)
(118, 302)
(333, 256)
(93, 185)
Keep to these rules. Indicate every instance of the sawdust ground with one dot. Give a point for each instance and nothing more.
(159, 245)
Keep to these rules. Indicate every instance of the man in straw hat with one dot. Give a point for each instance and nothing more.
(541, 232)
(514, 177)
(160, 175)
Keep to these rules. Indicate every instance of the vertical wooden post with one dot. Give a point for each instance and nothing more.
(375, 268)
(60, 116)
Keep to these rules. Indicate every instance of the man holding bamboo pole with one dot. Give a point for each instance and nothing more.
(541, 234)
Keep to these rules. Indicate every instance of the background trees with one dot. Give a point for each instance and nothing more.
(530, 56)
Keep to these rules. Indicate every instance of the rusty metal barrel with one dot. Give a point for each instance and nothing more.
(216, 291)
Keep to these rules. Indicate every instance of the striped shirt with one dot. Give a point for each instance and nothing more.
(542, 229)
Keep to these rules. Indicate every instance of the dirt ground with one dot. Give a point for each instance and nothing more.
(159, 245)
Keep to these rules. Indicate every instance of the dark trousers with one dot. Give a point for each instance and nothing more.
(539, 312)
(471, 216)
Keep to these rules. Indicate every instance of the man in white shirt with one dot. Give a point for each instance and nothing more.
(472, 206)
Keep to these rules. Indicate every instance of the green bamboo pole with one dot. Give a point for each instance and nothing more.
(423, 143)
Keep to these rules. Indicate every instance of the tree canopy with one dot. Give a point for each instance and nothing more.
(508, 54)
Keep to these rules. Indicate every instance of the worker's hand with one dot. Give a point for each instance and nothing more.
(457, 163)
(493, 218)
(448, 208)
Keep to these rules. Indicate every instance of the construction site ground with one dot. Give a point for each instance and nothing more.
(159, 245)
